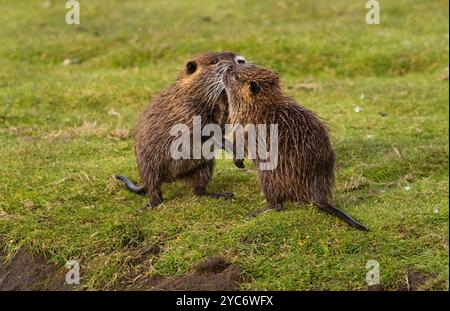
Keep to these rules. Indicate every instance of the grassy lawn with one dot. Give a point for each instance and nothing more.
(65, 130)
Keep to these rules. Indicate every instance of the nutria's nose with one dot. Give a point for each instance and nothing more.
(240, 59)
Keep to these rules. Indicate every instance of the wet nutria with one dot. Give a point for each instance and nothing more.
(198, 91)
(306, 160)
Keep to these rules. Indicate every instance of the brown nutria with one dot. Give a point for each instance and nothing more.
(306, 160)
(198, 91)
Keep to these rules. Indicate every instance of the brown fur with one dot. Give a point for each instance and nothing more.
(193, 94)
(306, 160)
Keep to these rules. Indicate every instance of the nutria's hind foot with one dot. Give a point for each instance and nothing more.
(277, 207)
(201, 191)
(154, 203)
(239, 163)
(156, 199)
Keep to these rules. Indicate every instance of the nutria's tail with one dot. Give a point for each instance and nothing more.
(131, 185)
(330, 209)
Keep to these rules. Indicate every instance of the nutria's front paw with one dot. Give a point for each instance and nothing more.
(239, 163)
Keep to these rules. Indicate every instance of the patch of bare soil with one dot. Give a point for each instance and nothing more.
(214, 274)
(26, 272)
(376, 288)
(414, 282)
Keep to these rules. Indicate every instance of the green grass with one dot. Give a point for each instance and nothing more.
(65, 130)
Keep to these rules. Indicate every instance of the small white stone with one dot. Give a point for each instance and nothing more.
(407, 188)
(71, 61)
(358, 109)
(113, 112)
(362, 96)
(436, 210)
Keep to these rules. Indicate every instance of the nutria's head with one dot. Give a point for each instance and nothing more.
(249, 87)
(203, 76)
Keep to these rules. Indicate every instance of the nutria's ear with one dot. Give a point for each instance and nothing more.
(191, 67)
(274, 77)
(254, 87)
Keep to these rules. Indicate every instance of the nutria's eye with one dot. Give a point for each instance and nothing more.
(241, 61)
(254, 87)
(191, 67)
(214, 61)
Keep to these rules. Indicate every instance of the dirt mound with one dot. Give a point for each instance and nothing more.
(414, 282)
(214, 274)
(27, 272)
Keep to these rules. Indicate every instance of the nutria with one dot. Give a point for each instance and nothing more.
(306, 160)
(198, 91)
